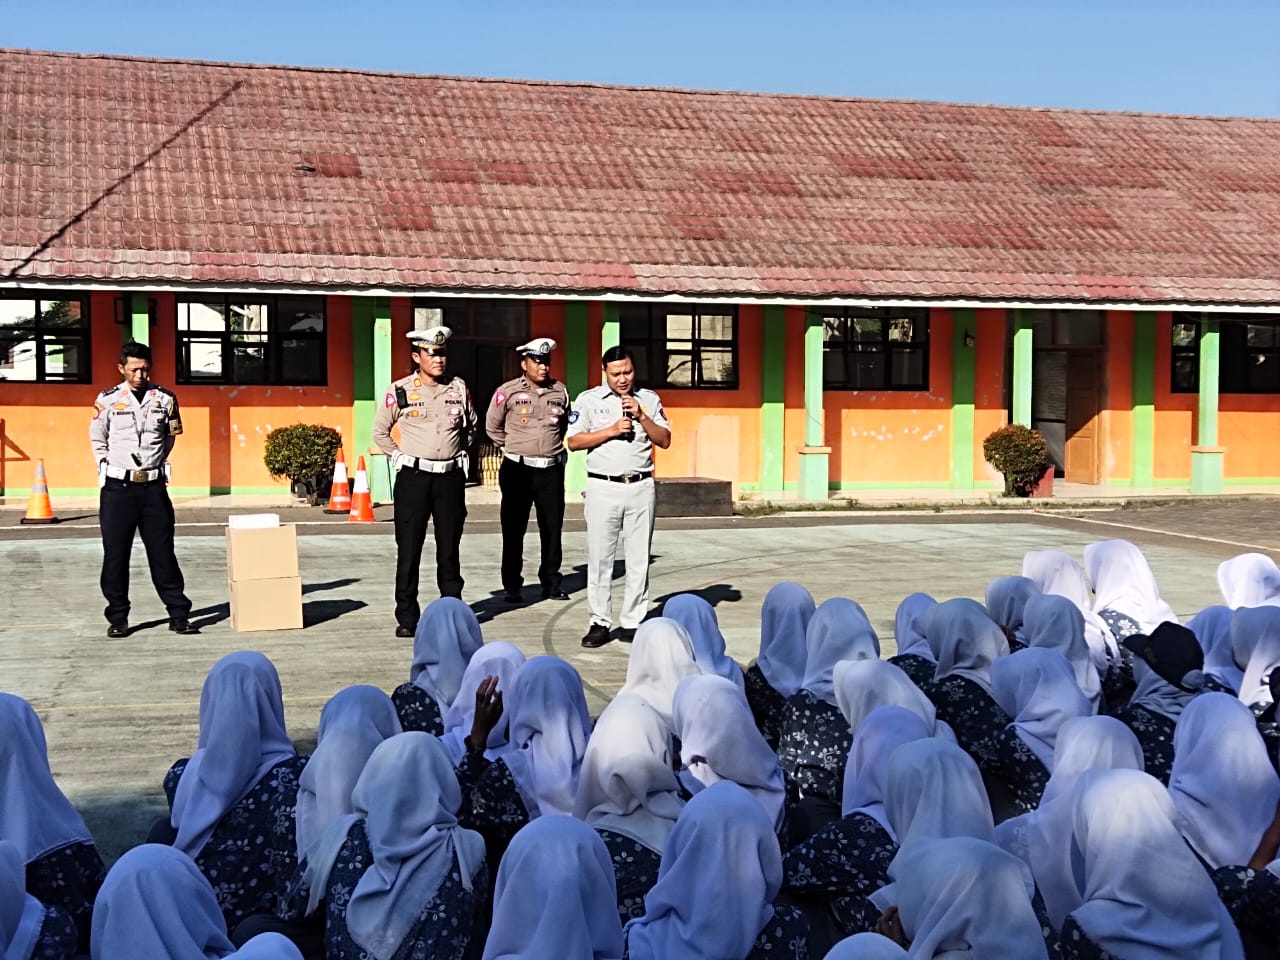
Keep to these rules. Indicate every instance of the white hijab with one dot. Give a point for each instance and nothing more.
(1249, 580)
(884, 730)
(908, 626)
(550, 725)
(447, 636)
(242, 737)
(21, 915)
(1007, 601)
(1055, 623)
(1038, 688)
(961, 898)
(720, 741)
(495, 659)
(699, 620)
(1122, 581)
(1212, 627)
(556, 896)
(1145, 896)
(268, 946)
(784, 617)
(1222, 783)
(35, 815)
(863, 685)
(866, 946)
(965, 640)
(1058, 573)
(627, 784)
(661, 656)
(352, 723)
(1255, 631)
(838, 631)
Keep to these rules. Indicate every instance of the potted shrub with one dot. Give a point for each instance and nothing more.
(304, 453)
(1021, 455)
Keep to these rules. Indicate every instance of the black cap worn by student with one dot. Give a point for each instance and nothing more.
(1172, 651)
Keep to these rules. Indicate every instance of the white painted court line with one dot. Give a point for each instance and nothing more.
(1165, 533)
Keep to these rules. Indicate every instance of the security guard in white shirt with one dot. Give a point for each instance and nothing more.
(134, 427)
(437, 422)
(618, 426)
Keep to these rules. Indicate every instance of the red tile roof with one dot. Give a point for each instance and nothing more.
(120, 169)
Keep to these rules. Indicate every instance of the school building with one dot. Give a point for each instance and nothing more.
(830, 295)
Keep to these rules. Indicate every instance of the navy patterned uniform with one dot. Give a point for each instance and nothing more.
(491, 805)
(1252, 897)
(1004, 758)
(767, 705)
(1155, 735)
(814, 746)
(69, 878)
(635, 868)
(1118, 683)
(448, 924)
(784, 937)
(58, 938)
(1076, 945)
(919, 669)
(842, 864)
(417, 710)
(251, 857)
(970, 710)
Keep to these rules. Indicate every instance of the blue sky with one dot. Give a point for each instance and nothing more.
(1179, 56)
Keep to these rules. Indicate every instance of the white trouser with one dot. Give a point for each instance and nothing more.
(613, 511)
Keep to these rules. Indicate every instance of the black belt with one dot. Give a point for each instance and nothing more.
(623, 478)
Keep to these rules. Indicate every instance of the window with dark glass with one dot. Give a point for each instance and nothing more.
(44, 338)
(468, 319)
(881, 348)
(252, 340)
(1248, 353)
(682, 346)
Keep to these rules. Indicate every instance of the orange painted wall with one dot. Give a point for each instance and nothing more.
(1117, 398)
(990, 411)
(1247, 428)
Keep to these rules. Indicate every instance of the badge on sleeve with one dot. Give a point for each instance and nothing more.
(389, 400)
(499, 398)
(573, 416)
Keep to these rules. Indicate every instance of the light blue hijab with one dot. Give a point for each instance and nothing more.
(838, 631)
(908, 626)
(784, 618)
(21, 915)
(866, 946)
(1212, 627)
(1038, 688)
(699, 619)
(1007, 602)
(447, 635)
(550, 725)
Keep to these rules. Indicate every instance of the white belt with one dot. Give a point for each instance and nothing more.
(133, 476)
(435, 466)
(540, 462)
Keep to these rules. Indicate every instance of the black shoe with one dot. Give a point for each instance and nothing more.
(513, 596)
(556, 594)
(183, 628)
(403, 631)
(626, 634)
(597, 636)
(117, 631)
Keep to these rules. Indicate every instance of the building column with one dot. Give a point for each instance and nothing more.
(1206, 455)
(139, 327)
(963, 366)
(1144, 399)
(773, 373)
(611, 329)
(1022, 365)
(815, 456)
(577, 372)
(371, 363)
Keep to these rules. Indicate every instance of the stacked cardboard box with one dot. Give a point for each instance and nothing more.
(263, 583)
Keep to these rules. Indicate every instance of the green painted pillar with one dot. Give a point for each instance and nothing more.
(773, 398)
(371, 357)
(1206, 455)
(1022, 344)
(1144, 399)
(611, 330)
(139, 328)
(815, 456)
(577, 377)
(963, 366)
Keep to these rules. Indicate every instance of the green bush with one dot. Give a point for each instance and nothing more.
(304, 453)
(1020, 454)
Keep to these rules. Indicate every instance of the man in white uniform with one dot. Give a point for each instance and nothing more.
(618, 426)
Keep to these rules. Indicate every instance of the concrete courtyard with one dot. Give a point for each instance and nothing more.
(117, 713)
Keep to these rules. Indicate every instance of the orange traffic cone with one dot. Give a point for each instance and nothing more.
(361, 501)
(39, 507)
(339, 491)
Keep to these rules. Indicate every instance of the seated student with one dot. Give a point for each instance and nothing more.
(549, 728)
(1249, 580)
(232, 802)
(63, 868)
(661, 656)
(399, 878)
(1167, 666)
(1212, 627)
(1251, 893)
(834, 870)
(1057, 573)
(28, 929)
(1143, 892)
(156, 904)
(555, 896)
(863, 685)
(1055, 623)
(815, 736)
(779, 669)
(495, 659)
(966, 642)
(1125, 594)
(866, 946)
(628, 792)
(914, 658)
(725, 834)
(699, 619)
(1038, 688)
(447, 636)
(1006, 604)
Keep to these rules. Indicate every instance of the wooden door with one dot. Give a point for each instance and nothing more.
(1082, 447)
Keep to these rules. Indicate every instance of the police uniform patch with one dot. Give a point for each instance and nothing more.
(499, 398)
(573, 416)
(119, 406)
(413, 413)
(414, 397)
(524, 421)
(389, 400)
(417, 382)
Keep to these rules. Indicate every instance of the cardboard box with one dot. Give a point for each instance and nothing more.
(263, 554)
(274, 604)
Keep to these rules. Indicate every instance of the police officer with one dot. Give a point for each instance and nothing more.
(618, 426)
(528, 418)
(437, 421)
(133, 430)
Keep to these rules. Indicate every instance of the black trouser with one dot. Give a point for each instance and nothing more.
(123, 510)
(421, 497)
(523, 486)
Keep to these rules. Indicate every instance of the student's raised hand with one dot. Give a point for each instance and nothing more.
(488, 713)
(890, 925)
